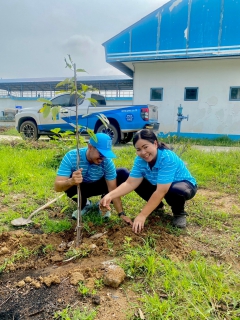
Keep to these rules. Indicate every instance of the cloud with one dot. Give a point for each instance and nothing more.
(36, 36)
(80, 44)
(109, 71)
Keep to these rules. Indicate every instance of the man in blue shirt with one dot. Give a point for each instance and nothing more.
(96, 174)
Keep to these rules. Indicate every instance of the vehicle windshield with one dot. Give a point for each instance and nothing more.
(100, 99)
(66, 100)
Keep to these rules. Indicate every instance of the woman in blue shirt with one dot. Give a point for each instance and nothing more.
(157, 173)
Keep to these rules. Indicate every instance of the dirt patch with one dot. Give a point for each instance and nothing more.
(39, 279)
(221, 201)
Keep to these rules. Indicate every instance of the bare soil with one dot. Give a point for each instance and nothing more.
(35, 286)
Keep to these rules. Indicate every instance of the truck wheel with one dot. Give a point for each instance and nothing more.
(112, 131)
(28, 131)
(127, 137)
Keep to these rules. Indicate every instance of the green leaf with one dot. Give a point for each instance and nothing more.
(55, 112)
(63, 91)
(44, 100)
(84, 87)
(68, 132)
(67, 64)
(103, 118)
(70, 59)
(92, 134)
(56, 130)
(80, 94)
(81, 70)
(64, 208)
(92, 101)
(67, 81)
(45, 110)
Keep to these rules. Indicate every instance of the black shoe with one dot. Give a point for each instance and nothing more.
(180, 221)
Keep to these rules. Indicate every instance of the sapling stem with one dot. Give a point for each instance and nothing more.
(79, 217)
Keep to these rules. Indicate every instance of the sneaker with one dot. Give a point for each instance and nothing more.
(87, 207)
(105, 215)
(180, 221)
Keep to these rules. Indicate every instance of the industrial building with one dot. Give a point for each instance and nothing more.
(185, 54)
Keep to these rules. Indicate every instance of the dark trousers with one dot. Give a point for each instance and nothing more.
(96, 188)
(177, 195)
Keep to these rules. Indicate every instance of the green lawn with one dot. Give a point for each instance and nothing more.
(199, 286)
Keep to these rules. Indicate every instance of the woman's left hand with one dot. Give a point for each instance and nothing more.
(138, 223)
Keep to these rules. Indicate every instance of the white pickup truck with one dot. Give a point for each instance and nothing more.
(123, 120)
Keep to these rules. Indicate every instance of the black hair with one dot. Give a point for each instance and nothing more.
(149, 135)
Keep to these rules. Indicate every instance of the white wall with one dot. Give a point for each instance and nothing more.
(212, 113)
(8, 103)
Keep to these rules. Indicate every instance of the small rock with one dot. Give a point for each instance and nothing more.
(4, 250)
(12, 268)
(56, 258)
(63, 245)
(28, 280)
(70, 244)
(92, 246)
(98, 235)
(76, 277)
(21, 284)
(108, 262)
(52, 279)
(90, 283)
(114, 276)
(36, 284)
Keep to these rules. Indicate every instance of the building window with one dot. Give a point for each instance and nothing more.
(156, 94)
(191, 94)
(234, 93)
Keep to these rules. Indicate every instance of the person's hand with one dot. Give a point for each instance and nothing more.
(104, 204)
(138, 223)
(77, 177)
(127, 220)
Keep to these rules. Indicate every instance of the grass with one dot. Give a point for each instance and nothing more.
(196, 287)
(10, 131)
(70, 313)
(21, 254)
(223, 141)
(192, 289)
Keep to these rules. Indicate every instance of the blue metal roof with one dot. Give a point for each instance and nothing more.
(180, 29)
(117, 82)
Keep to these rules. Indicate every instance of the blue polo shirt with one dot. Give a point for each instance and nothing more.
(167, 169)
(91, 172)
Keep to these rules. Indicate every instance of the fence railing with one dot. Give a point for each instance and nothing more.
(7, 119)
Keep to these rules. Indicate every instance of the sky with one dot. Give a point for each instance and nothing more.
(36, 35)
